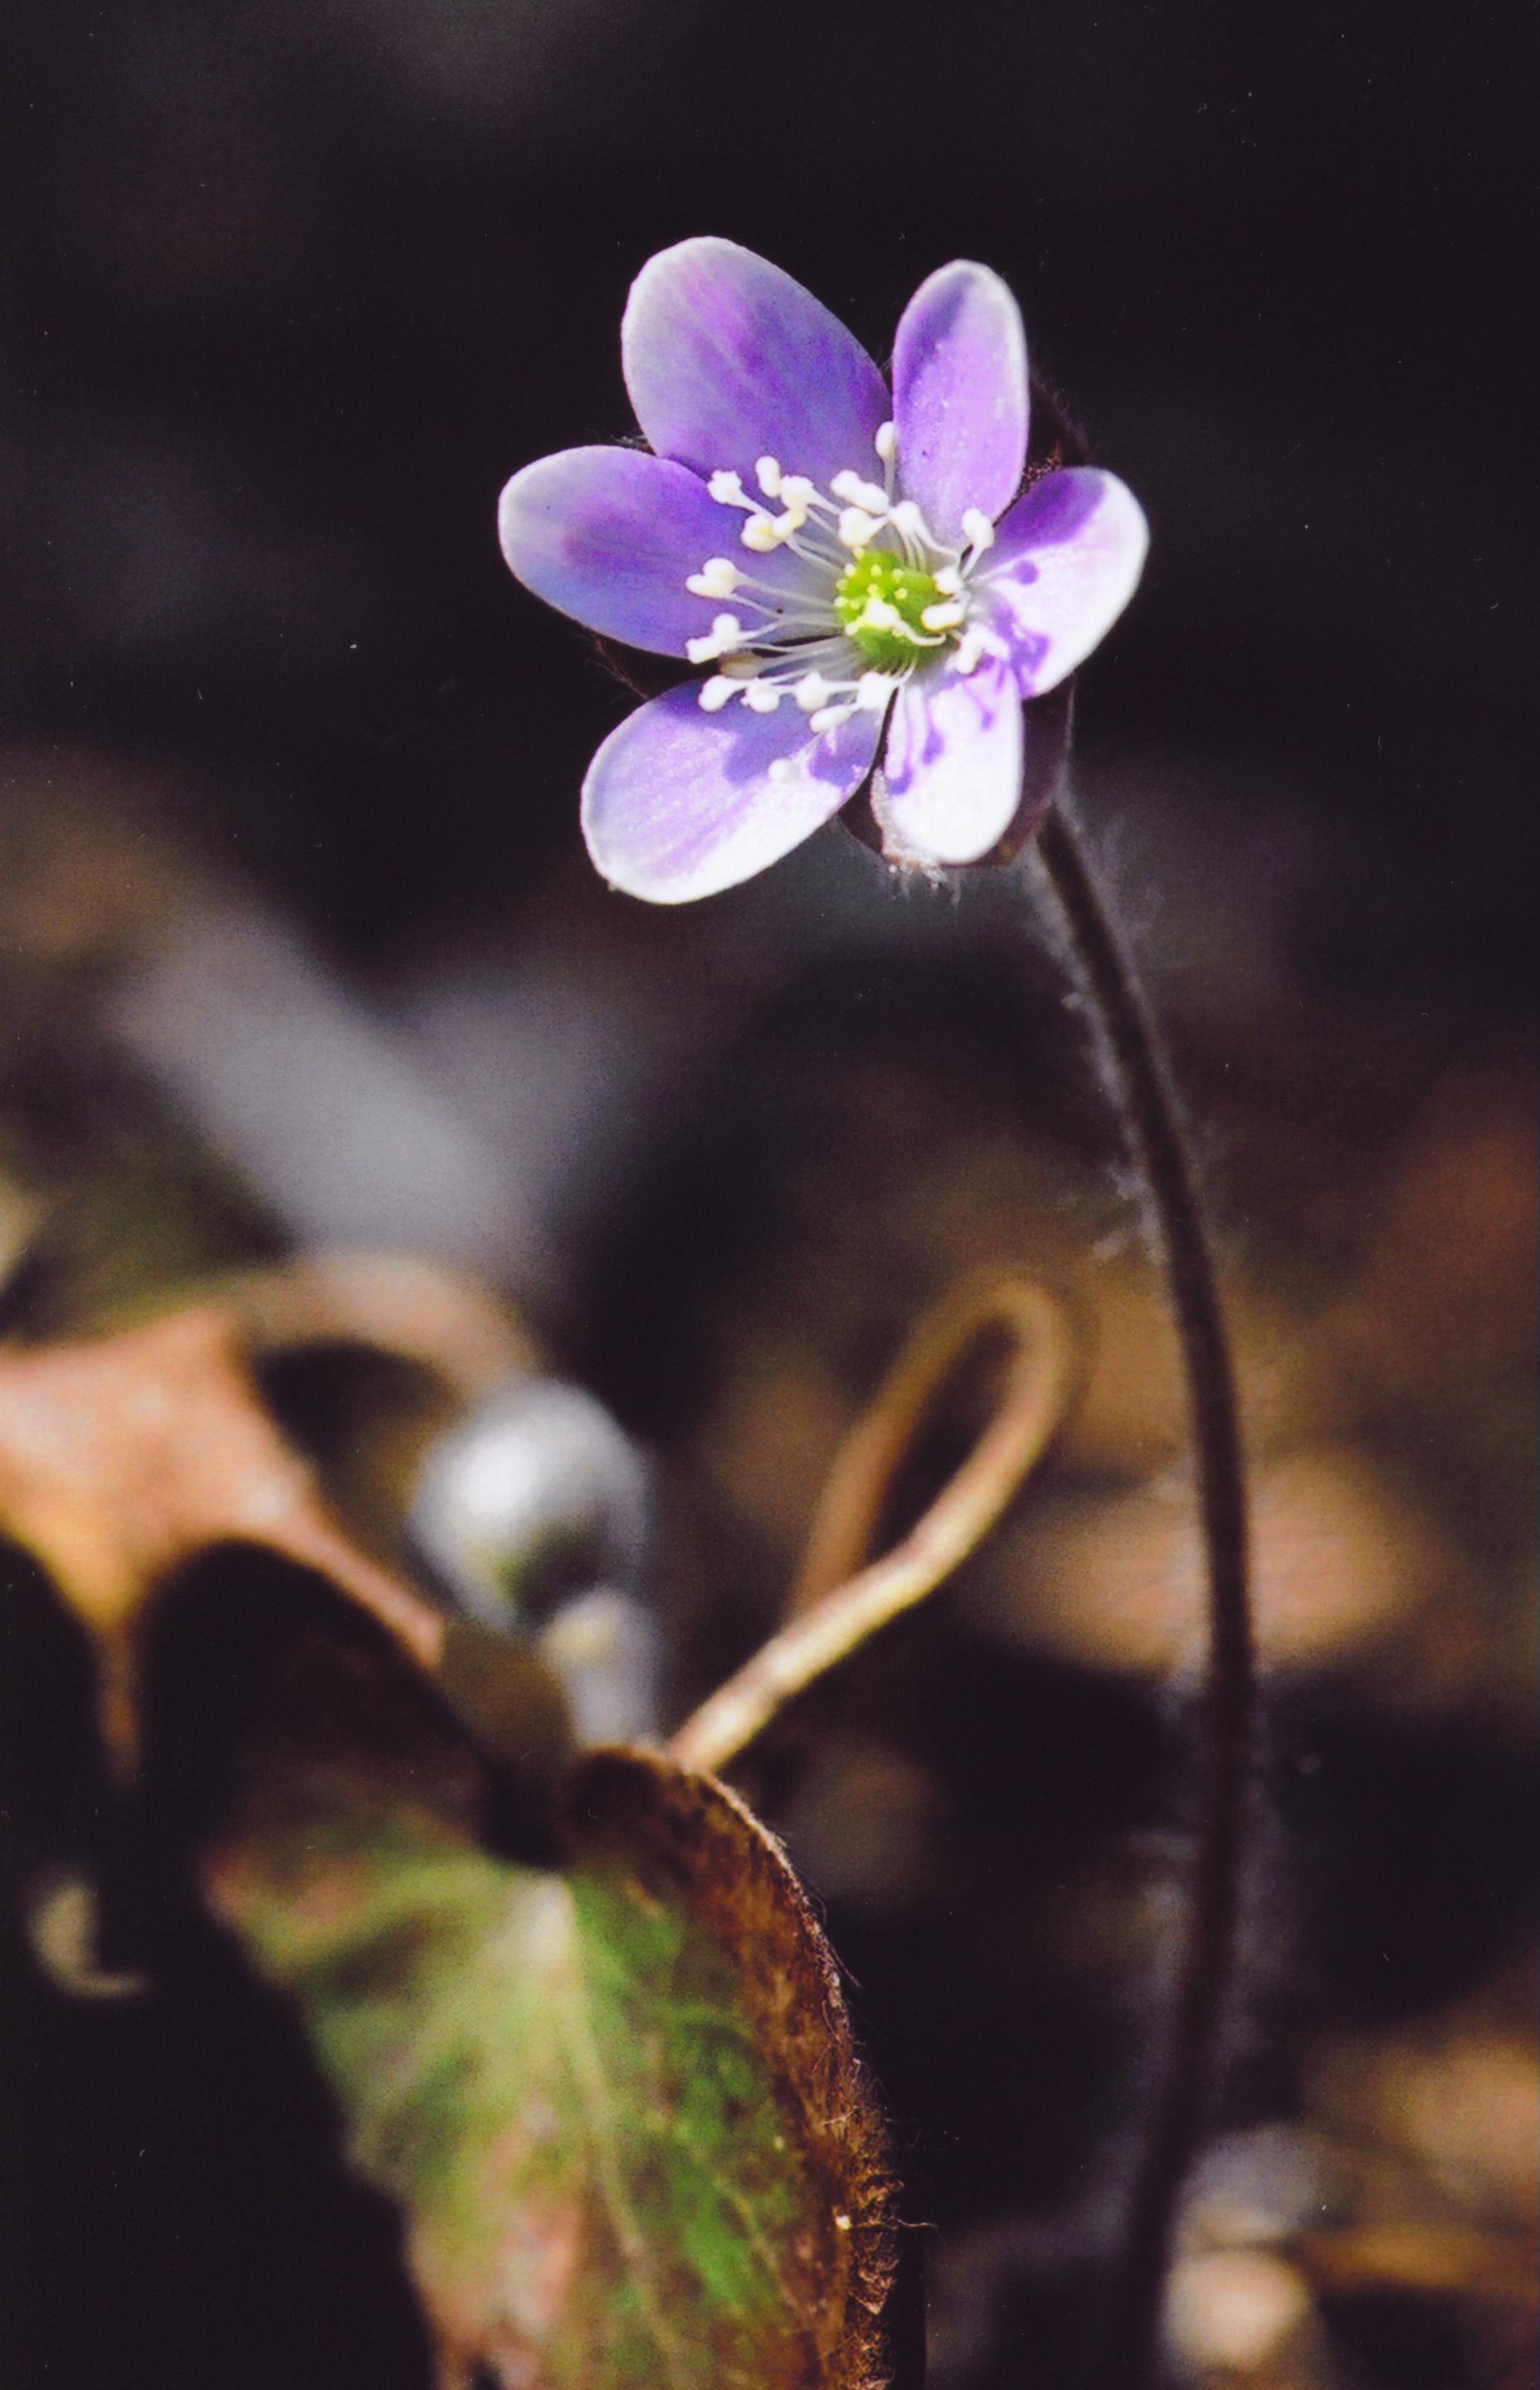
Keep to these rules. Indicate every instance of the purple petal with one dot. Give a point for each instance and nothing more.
(960, 397)
(952, 768)
(728, 360)
(611, 535)
(1066, 562)
(679, 803)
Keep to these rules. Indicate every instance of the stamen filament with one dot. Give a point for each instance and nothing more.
(891, 593)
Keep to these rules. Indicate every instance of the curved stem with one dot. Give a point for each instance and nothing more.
(1136, 1057)
(836, 1603)
(1044, 1374)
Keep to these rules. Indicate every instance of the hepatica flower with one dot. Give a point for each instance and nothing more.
(872, 593)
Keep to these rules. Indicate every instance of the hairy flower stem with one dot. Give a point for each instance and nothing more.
(1137, 1066)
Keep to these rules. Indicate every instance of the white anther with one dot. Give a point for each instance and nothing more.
(794, 514)
(767, 473)
(886, 442)
(830, 717)
(857, 528)
(762, 697)
(797, 490)
(728, 490)
(909, 519)
(783, 769)
(857, 492)
(718, 577)
(977, 530)
(726, 632)
(873, 691)
(763, 533)
(742, 667)
(949, 615)
(715, 692)
(813, 691)
(948, 580)
(976, 642)
(874, 615)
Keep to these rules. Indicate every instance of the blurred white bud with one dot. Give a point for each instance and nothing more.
(534, 1514)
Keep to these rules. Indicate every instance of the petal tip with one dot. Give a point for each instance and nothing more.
(727, 357)
(961, 394)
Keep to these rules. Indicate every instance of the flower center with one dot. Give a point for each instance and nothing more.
(880, 594)
(881, 604)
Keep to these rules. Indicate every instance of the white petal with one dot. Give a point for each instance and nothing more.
(951, 777)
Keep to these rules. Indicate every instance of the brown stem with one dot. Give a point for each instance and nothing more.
(832, 1611)
(1157, 1137)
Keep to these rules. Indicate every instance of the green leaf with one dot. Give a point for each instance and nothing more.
(616, 2101)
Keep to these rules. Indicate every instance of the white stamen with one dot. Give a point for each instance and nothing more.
(718, 577)
(726, 632)
(783, 769)
(830, 717)
(859, 493)
(797, 495)
(796, 646)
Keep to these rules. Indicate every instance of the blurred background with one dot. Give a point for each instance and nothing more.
(299, 947)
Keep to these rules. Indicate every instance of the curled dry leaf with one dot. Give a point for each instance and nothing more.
(617, 2102)
(836, 1602)
(124, 1458)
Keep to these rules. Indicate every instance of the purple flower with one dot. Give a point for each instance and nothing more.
(873, 598)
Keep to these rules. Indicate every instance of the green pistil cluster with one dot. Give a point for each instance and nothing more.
(880, 602)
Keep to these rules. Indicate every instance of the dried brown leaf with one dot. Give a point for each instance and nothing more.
(124, 1458)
